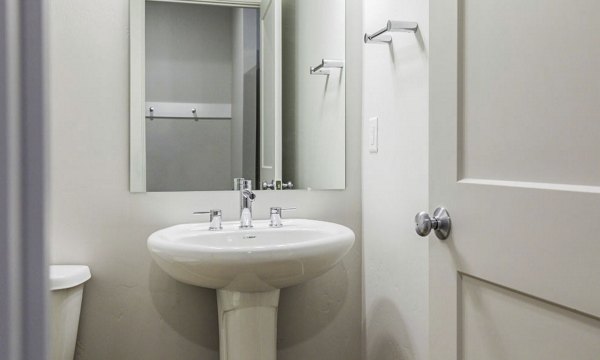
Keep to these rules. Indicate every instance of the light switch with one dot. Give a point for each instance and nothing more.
(373, 135)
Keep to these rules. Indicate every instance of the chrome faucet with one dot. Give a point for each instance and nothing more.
(276, 216)
(247, 197)
(215, 219)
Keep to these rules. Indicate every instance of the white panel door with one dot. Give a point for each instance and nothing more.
(270, 97)
(515, 158)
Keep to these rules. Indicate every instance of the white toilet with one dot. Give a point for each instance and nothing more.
(66, 284)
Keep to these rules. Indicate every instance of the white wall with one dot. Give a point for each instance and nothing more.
(395, 183)
(313, 105)
(131, 309)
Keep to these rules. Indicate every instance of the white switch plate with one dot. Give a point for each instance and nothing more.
(373, 135)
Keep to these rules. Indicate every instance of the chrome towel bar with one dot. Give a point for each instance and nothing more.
(392, 26)
(326, 64)
(196, 111)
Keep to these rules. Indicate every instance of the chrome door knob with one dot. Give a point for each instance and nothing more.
(440, 223)
(268, 186)
(287, 186)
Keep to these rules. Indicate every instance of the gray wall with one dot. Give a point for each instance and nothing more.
(179, 152)
(131, 309)
(23, 176)
(189, 51)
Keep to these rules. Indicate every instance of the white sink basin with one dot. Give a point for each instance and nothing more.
(256, 260)
(248, 267)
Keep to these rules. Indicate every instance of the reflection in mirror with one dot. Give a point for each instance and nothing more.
(220, 92)
(201, 83)
(314, 115)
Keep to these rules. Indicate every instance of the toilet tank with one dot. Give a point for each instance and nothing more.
(66, 285)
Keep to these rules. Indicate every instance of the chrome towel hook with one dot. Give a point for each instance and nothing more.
(391, 26)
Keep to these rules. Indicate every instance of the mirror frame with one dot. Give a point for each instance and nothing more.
(137, 83)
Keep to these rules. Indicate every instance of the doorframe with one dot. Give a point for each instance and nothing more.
(443, 105)
(23, 115)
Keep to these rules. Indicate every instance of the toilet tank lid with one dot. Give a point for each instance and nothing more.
(67, 276)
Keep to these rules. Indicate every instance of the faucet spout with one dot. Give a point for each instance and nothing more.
(248, 194)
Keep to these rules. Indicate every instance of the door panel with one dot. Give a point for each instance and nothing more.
(523, 76)
(498, 323)
(514, 157)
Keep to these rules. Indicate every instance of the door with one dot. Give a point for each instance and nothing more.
(270, 93)
(515, 158)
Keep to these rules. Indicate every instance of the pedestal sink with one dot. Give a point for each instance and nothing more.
(248, 268)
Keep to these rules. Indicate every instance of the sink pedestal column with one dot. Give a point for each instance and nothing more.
(247, 325)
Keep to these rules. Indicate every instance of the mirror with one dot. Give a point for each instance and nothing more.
(237, 89)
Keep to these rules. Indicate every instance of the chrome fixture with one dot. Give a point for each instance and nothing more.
(391, 26)
(277, 185)
(268, 186)
(276, 216)
(326, 64)
(247, 197)
(196, 111)
(215, 219)
(440, 223)
(287, 186)
(236, 183)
